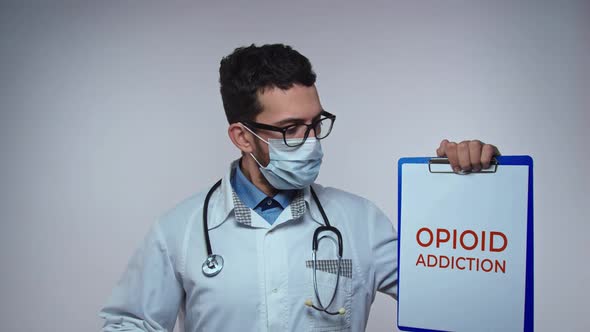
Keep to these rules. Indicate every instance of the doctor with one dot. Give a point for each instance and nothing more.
(246, 264)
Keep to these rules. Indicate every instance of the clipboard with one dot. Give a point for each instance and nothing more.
(465, 246)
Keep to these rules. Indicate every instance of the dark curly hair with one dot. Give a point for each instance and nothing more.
(249, 70)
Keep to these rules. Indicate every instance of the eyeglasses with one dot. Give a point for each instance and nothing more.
(292, 134)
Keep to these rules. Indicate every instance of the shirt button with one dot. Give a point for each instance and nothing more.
(269, 202)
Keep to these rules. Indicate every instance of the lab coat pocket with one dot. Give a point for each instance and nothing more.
(326, 276)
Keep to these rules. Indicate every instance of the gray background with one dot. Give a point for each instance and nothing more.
(110, 114)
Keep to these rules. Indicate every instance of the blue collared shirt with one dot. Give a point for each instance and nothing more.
(268, 208)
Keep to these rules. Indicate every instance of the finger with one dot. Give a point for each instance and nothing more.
(451, 152)
(440, 152)
(463, 155)
(487, 152)
(475, 155)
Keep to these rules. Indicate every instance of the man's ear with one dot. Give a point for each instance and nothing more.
(240, 137)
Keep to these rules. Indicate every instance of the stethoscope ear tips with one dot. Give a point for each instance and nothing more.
(340, 312)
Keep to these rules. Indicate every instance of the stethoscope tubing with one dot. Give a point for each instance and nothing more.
(214, 263)
(320, 306)
(205, 219)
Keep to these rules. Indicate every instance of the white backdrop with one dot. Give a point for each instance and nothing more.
(110, 114)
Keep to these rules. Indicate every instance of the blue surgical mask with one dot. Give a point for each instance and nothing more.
(291, 167)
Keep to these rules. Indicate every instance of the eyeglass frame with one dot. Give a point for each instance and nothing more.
(283, 130)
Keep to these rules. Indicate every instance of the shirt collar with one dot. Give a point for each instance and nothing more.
(225, 200)
(251, 196)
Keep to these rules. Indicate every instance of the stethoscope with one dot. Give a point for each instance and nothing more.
(214, 263)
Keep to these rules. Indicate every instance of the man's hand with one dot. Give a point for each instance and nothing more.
(468, 156)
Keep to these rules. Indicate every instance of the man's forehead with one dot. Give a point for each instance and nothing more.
(299, 102)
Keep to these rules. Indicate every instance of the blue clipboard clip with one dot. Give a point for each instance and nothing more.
(442, 165)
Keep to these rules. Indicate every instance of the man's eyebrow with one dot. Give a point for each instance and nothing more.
(295, 120)
(288, 121)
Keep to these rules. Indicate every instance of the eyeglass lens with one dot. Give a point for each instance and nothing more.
(321, 130)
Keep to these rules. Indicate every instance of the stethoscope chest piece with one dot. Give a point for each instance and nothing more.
(212, 265)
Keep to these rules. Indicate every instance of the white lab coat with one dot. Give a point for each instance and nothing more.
(267, 276)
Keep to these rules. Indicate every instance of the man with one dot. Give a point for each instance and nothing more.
(261, 222)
